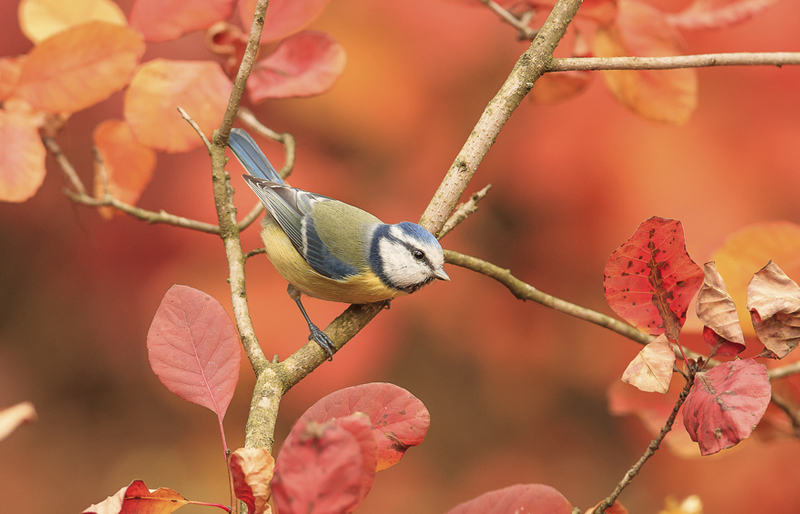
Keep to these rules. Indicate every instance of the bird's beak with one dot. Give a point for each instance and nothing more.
(441, 275)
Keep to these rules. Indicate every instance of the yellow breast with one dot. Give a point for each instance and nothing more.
(365, 287)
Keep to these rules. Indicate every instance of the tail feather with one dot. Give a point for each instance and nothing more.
(250, 155)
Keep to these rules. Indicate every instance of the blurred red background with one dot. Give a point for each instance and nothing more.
(517, 393)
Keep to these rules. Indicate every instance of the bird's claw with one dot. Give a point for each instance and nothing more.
(322, 339)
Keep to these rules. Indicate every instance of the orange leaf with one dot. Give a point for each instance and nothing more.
(127, 163)
(284, 17)
(651, 369)
(690, 505)
(40, 19)
(160, 86)
(80, 66)
(716, 310)
(138, 498)
(554, 88)
(21, 170)
(714, 14)
(748, 250)
(773, 300)
(660, 95)
(305, 64)
(165, 20)
(615, 508)
(251, 471)
(10, 70)
(12, 417)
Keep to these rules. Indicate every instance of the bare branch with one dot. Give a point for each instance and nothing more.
(195, 126)
(65, 165)
(464, 210)
(530, 66)
(784, 371)
(678, 61)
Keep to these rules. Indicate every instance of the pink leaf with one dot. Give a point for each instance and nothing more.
(165, 20)
(716, 310)
(725, 404)
(284, 17)
(773, 300)
(305, 64)
(712, 14)
(650, 279)
(400, 419)
(251, 472)
(323, 468)
(194, 349)
(533, 498)
(651, 369)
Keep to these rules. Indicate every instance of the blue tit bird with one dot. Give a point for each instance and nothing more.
(333, 251)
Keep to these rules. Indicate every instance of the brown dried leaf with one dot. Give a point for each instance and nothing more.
(773, 300)
(716, 310)
(651, 369)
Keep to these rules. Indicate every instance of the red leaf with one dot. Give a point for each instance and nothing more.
(194, 349)
(284, 17)
(713, 14)
(305, 64)
(251, 472)
(615, 508)
(321, 468)
(650, 280)
(165, 20)
(660, 95)
(651, 369)
(137, 498)
(21, 171)
(725, 404)
(400, 419)
(773, 300)
(535, 498)
(161, 86)
(80, 66)
(715, 308)
(127, 163)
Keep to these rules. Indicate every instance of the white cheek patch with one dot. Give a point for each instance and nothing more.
(399, 266)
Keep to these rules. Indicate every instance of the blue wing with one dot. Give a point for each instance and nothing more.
(250, 155)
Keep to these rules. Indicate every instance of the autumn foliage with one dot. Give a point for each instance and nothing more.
(712, 347)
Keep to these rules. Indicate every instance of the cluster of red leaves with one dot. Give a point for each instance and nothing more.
(650, 281)
(86, 50)
(619, 28)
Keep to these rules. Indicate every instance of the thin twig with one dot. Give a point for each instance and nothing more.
(678, 61)
(784, 371)
(65, 165)
(195, 126)
(525, 32)
(650, 451)
(464, 210)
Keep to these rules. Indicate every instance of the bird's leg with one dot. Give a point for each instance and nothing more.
(319, 337)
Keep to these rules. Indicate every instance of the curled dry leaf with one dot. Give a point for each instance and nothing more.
(165, 20)
(12, 417)
(773, 300)
(642, 31)
(160, 86)
(80, 66)
(651, 369)
(128, 164)
(725, 404)
(251, 469)
(650, 280)
(40, 19)
(716, 310)
(306, 64)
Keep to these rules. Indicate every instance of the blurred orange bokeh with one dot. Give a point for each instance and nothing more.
(517, 392)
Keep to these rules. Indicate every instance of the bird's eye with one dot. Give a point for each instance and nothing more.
(418, 254)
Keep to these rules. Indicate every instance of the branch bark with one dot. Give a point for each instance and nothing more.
(678, 61)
